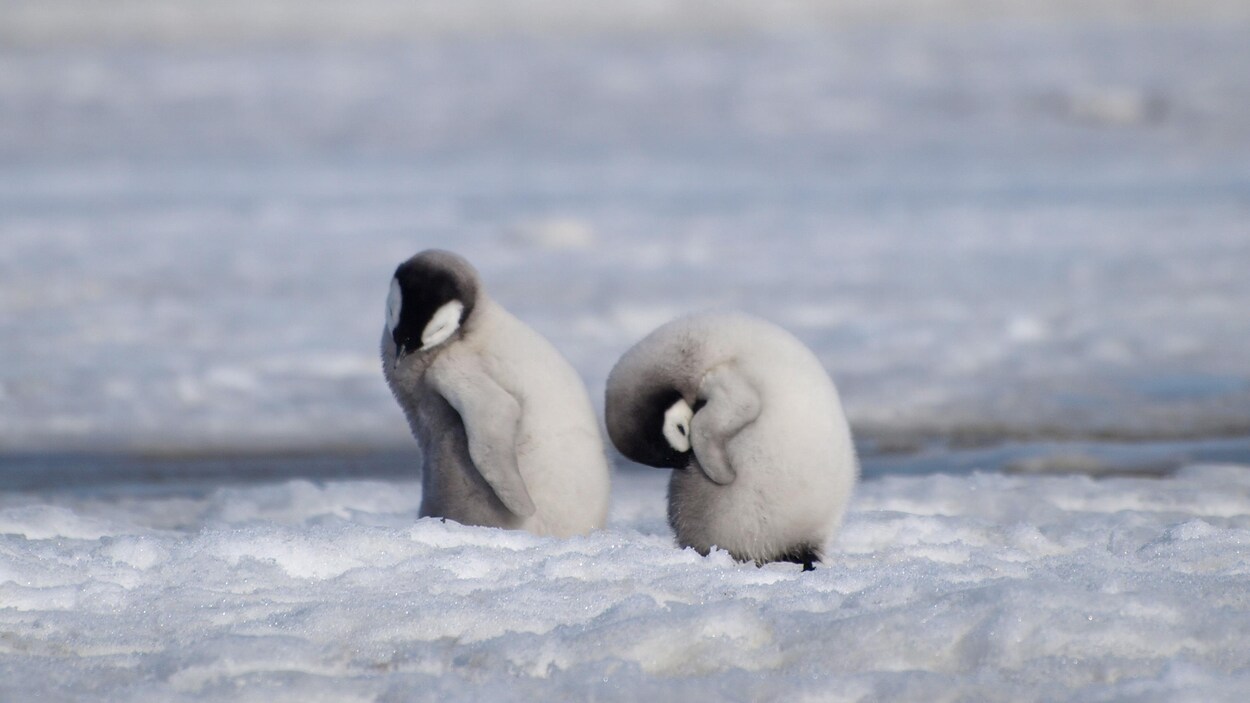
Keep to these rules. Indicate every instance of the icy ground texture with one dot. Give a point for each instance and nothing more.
(1002, 228)
(981, 587)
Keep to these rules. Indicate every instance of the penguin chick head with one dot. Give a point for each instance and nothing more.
(654, 430)
(431, 296)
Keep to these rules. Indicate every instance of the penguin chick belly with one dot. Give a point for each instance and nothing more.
(753, 518)
(789, 493)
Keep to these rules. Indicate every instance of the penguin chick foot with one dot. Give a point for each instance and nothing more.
(803, 554)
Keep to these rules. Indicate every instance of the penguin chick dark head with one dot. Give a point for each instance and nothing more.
(653, 428)
(432, 294)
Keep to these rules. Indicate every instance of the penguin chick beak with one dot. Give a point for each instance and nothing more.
(401, 351)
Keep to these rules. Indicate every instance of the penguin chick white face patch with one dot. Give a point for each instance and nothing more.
(677, 425)
(394, 305)
(443, 324)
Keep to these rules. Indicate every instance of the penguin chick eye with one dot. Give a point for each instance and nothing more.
(443, 324)
(394, 306)
(677, 426)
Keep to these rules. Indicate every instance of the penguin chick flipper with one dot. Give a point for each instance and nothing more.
(490, 415)
(732, 403)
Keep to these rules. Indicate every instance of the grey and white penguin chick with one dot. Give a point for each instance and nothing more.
(752, 424)
(506, 428)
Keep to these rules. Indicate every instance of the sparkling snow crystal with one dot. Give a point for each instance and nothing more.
(979, 587)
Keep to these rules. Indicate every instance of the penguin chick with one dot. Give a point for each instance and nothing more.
(505, 425)
(752, 425)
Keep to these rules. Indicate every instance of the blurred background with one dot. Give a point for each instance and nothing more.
(1014, 232)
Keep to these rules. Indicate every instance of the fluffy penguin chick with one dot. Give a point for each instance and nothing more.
(506, 428)
(752, 424)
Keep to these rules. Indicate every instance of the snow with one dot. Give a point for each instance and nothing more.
(1002, 229)
(940, 587)
(1015, 233)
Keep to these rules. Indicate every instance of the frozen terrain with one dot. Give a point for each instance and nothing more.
(985, 587)
(992, 230)
(1016, 233)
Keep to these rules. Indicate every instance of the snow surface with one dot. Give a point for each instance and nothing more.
(982, 587)
(1023, 222)
(1004, 229)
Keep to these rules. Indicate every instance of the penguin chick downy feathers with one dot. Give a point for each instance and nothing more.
(506, 429)
(752, 426)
